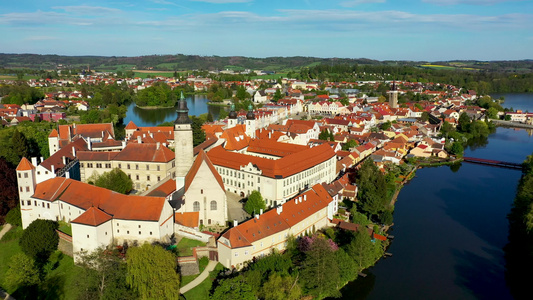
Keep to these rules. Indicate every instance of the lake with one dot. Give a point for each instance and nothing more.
(197, 105)
(450, 226)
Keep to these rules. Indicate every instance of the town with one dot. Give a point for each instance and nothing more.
(296, 146)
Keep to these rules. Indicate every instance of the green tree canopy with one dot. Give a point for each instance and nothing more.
(115, 180)
(233, 288)
(40, 239)
(159, 94)
(254, 203)
(21, 272)
(8, 192)
(103, 276)
(151, 271)
(320, 272)
(281, 288)
(372, 192)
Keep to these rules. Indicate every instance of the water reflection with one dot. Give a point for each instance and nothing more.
(197, 105)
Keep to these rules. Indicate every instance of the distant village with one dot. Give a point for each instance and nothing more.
(277, 149)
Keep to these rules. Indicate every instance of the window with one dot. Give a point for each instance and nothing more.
(128, 166)
(202, 191)
(137, 177)
(139, 233)
(27, 189)
(87, 236)
(158, 178)
(119, 166)
(22, 202)
(150, 233)
(158, 168)
(81, 165)
(213, 205)
(20, 189)
(139, 226)
(35, 202)
(136, 167)
(99, 165)
(147, 167)
(20, 176)
(236, 254)
(148, 178)
(128, 232)
(25, 175)
(47, 205)
(196, 206)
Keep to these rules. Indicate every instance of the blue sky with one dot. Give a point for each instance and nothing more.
(376, 29)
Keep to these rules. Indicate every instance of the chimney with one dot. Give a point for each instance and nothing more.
(74, 152)
(53, 169)
(123, 144)
(89, 144)
(235, 223)
(67, 174)
(151, 135)
(42, 159)
(305, 197)
(279, 209)
(158, 144)
(260, 211)
(64, 160)
(257, 217)
(34, 161)
(139, 139)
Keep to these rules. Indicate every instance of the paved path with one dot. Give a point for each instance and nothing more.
(210, 267)
(5, 229)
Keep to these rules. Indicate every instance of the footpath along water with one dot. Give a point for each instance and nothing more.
(450, 226)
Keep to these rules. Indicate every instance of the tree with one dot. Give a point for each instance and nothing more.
(115, 180)
(14, 217)
(21, 271)
(347, 268)
(372, 192)
(320, 272)
(277, 95)
(360, 249)
(8, 192)
(254, 203)
(492, 113)
(198, 134)
(103, 276)
(359, 218)
(464, 122)
(242, 94)
(20, 144)
(281, 288)
(349, 145)
(457, 149)
(425, 117)
(233, 288)
(151, 271)
(40, 239)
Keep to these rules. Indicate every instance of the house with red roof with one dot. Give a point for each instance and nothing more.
(268, 231)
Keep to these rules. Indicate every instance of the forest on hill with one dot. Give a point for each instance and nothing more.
(195, 62)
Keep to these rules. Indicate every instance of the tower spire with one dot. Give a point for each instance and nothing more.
(183, 111)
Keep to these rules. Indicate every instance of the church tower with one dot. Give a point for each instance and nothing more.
(232, 117)
(393, 96)
(26, 185)
(182, 143)
(250, 122)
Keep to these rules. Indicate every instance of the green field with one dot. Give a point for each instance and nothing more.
(153, 74)
(440, 67)
(271, 76)
(201, 291)
(185, 246)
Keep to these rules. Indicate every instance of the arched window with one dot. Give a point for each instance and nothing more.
(196, 206)
(213, 205)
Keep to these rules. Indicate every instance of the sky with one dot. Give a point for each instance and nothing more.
(428, 30)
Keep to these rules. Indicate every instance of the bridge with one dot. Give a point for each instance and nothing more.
(495, 163)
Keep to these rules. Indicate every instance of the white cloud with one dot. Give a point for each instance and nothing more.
(470, 2)
(222, 1)
(88, 10)
(353, 3)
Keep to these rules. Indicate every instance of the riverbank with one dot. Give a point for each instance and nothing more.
(224, 103)
(153, 107)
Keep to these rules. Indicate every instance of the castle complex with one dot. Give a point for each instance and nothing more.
(60, 187)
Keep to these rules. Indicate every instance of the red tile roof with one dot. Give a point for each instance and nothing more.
(189, 219)
(274, 148)
(283, 167)
(96, 155)
(131, 125)
(145, 153)
(54, 133)
(93, 216)
(164, 189)
(271, 222)
(202, 158)
(25, 165)
(84, 196)
(56, 159)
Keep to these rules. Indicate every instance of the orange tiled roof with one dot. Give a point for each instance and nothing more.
(283, 167)
(165, 189)
(54, 133)
(84, 196)
(131, 125)
(189, 219)
(93, 216)
(202, 157)
(56, 159)
(145, 153)
(25, 165)
(271, 222)
(274, 148)
(235, 137)
(96, 155)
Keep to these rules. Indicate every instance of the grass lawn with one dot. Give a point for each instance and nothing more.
(65, 227)
(201, 291)
(201, 265)
(185, 246)
(153, 74)
(59, 282)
